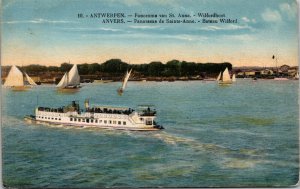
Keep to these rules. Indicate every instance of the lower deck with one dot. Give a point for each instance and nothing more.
(104, 125)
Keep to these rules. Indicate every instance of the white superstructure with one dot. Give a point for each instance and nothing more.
(98, 116)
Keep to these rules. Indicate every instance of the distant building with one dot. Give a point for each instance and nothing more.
(284, 68)
(266, 72)
(241, 74)
(249, 73)
(292, 71)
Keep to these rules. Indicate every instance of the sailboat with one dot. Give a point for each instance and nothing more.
(224, 78)
(125, 80)
(17, 81)
(233, 78)
(70, 80)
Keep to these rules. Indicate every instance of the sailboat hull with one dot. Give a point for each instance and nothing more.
(120, 91)
(68, 89)
(20, 88)
(225, 82)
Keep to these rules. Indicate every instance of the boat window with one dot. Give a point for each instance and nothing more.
(59, 118)
(83, 120)
(71, 119)
(124, 122)
(79, 120)
(55, 118)
(149, 122)
(105, 121)
(75, 119)
(92, 121)
(96, 120)
(142, 119)
(42, 117)
(119, 122)
(100, 121)
(114, 122)
(109, 121)
(87, 120)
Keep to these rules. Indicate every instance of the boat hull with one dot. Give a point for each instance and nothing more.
(225, 82)
(32, 119)
(20, 88)
(68, 90)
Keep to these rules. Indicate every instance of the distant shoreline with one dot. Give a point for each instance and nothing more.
(174, 70)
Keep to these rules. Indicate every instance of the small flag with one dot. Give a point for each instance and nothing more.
(273, 57)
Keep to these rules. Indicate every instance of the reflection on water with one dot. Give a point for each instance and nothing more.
(241, 135)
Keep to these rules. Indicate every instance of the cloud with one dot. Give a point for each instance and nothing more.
(226, 27)
(271, 15)
(242, 37)
(185, 37)
(38, 21)
(109, 29)
(152, 37)
(93, 29)
(248, 20)
(289, 10)
(144, 27)
(131, 2)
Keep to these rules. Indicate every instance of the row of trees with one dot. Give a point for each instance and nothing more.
(116, 67)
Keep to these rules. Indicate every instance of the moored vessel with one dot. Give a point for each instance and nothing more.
(98, 116)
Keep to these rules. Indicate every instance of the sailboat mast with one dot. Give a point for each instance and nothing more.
(276, 60)
(67, 78)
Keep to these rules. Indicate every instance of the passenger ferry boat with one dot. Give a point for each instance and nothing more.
(98, 116)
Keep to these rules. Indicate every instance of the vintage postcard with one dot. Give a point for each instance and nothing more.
(149, 93)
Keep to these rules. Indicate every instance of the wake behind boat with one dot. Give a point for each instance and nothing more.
(97, 116)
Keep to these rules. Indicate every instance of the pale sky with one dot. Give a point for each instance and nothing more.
(48, 32)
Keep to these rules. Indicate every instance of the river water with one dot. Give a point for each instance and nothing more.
(245, 134)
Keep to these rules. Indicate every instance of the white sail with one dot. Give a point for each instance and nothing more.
(226, 76)
(14, 78)
(73, 76)
(233, 78)
(63, 82)
(126, 80)
(30, 81)
(219, 76)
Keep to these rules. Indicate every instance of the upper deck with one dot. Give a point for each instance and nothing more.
(74, 107)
